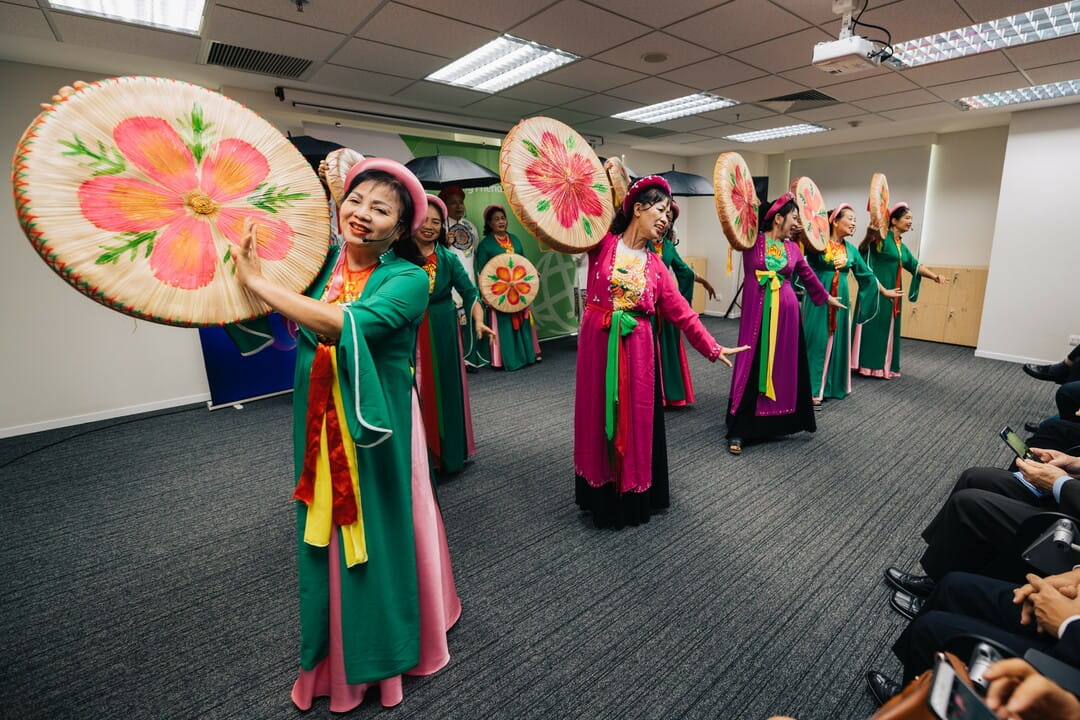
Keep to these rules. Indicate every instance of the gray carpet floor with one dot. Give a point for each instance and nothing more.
(149, 571)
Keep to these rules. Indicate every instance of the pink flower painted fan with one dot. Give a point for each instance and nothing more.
(555, 184)
(509, 282)
(736, 201)
(135, 190)
(878, 203)
(812, 211)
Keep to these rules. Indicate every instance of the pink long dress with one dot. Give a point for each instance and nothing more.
(631, 469)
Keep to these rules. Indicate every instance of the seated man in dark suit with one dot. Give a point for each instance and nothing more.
(975, 529)
(1042, 614)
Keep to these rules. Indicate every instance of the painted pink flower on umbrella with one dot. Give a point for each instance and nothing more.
(566, 180)
(814, 216)
(744, 199)
(511, 283)
(191, 192)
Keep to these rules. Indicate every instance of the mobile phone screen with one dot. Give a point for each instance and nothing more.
(951, 699)
(1014, 442)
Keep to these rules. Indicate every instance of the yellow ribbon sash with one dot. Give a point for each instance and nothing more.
(770, 313)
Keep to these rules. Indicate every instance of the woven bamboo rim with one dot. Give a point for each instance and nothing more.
(338, 164)
(813, 212)
(878, 203)
(134, 190)
(736, 200)
(619, 179)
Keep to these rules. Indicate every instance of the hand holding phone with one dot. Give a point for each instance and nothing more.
(951, 698)
(1017, 445)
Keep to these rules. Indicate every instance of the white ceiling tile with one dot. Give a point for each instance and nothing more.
(813, 11)
(236, 27)
(92, 32)
(922, 112)
(341, 16)
(411, 28)
(996, 83)
(966, 68)
(738, 114)
(909, 19)
(655, 14)
(651, 90)
(502, 108)
(721, 131)
(829, 112)
(546, 93)
(573, 118)
(602, 105)
(582, 29)
(871, 87)
(737, 24)
(679, 52)
(790, 51)
(1055, 73)
(606, 125)
(683, 138)
(713, 73)
(26, 3)
(25, 21)
(1047, 52)
(983, 10)
(692, 123)
(759, 89)
(592, 75)
(771, 122)
(494, 14)
(436, 94)
(857, 121)
(370, 55)
(897, 100)
(357, 83)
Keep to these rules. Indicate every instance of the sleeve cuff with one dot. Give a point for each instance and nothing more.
(1065, 623)
(1058, 485)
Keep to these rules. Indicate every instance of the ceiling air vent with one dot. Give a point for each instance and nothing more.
(649, 132)
(256, 61)
(796, 102)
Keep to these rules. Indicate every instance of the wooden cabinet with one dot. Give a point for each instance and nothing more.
(700, 266)
(950, 312)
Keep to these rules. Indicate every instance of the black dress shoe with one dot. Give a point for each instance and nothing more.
(1032, 427)
(906, 604)
(1056, 372)
(918, 585)
(882, 688)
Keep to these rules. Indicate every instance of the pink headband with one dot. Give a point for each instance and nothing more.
(641, 185)
(897, 206)
(839, 209)
(780, 202)
(403, 175)
(438, 205)
(491, 208)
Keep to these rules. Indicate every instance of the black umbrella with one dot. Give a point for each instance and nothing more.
(437, 171)
(314, 150)
(687, 184)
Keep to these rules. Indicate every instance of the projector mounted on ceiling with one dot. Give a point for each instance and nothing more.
(848, 55)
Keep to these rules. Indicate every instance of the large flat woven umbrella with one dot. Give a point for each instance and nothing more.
(687, 184)
(436, 171)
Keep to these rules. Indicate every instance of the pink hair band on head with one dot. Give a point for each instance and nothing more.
(839, 209)
(779, 203)
(897, 206)
(438, 205)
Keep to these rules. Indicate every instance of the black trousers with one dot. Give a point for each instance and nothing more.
(1067, 398)
(976, 527)
(961, 604)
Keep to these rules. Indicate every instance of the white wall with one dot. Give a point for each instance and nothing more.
(67, 359)
(962, 197)
(1030, 307)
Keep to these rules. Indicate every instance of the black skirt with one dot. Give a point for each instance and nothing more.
(613, 509)
(744, 424)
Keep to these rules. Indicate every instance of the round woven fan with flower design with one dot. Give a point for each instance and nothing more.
(878, 203)
(509, 282)
(555, 184)
(135, 190)
(619, 179)
(736, 200)
(812, 211)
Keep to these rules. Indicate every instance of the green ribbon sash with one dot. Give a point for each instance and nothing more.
(623, 323)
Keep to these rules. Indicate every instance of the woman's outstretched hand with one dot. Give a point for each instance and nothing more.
(726, 353)
(483, 331)
(246, 257)
(835, 302)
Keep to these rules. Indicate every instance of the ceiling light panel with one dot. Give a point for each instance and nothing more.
(1027, 27)
(501, 63)
(1049, 91)
(180, 15)
(776, 133)
(679, 107)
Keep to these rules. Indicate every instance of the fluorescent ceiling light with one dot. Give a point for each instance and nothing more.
(1034, 93)
(503, 62)
(1026, 27)
(180, 15)
(679, 107)
(774, 133)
